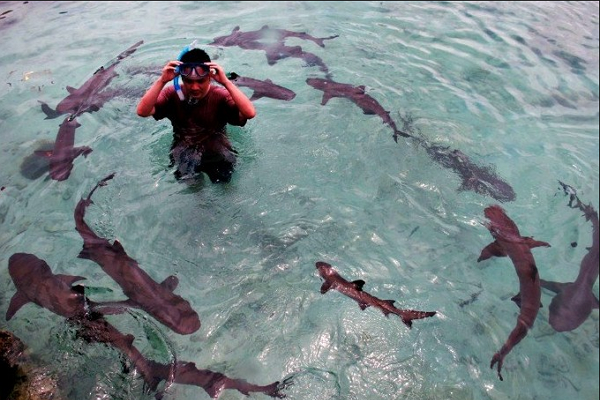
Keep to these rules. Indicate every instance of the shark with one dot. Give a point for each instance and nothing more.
(36, 283)
(64, 153)
(250, 39)
(143, 292)
(262, 89)
(574, 301)
(354, 290)
(214, 383)
(479, 179)
(359, 96)
(508, 242)
(475, 178)
(278, 51)
(275, 49)
(90, 96)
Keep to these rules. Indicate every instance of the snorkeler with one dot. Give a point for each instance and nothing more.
(199, 113)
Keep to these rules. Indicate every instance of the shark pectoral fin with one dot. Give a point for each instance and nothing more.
(170, 283)
(361, 89)
(325, 99)
(325, 287)
(517, 299)
(358, 284)
(50, 113)
(531, 242)
(129, 338)
(69, 279)
(596, 304)
(555, 287)
(17, 301)
(491, 250)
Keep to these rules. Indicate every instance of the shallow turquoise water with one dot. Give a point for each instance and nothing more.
(513, 86)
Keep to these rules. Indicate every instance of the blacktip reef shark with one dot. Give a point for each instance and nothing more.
(475, 178)
(354, 290)
(90, 96)
(574, 301)
(262, 89)
(142, 291)
(64, 153)
(508, 242)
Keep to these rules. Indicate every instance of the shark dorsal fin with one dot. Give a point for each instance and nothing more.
(71, 89)
(170, 283)
(118, 247)
(390, 302)
(358, 284)
(361, 89)
(17, 301)
(363, 305)
(325, 287)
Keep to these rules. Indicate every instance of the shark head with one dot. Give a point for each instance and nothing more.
(325, 270)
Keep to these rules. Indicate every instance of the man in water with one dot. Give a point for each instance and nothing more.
(199, 113)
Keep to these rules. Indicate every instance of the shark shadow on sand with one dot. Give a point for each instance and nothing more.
(508, 242)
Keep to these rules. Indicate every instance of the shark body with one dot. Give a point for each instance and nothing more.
(354, 290)
(509, 243)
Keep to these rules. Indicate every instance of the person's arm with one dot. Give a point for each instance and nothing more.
(145, 107)
(241, 100)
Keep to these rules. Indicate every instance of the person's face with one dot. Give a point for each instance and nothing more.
(197, 88)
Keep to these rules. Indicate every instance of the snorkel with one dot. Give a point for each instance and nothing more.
(177, 80)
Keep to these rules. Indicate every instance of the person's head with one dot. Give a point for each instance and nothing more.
(195, 74)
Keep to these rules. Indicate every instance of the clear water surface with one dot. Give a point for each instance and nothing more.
(513, 85)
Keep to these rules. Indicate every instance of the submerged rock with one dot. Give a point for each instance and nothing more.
(22, 379)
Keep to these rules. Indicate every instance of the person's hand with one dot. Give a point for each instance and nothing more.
(168, 71)
(217, 73)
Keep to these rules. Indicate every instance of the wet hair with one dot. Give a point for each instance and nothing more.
(195, 56)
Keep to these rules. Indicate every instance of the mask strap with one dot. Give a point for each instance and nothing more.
(178, 89)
